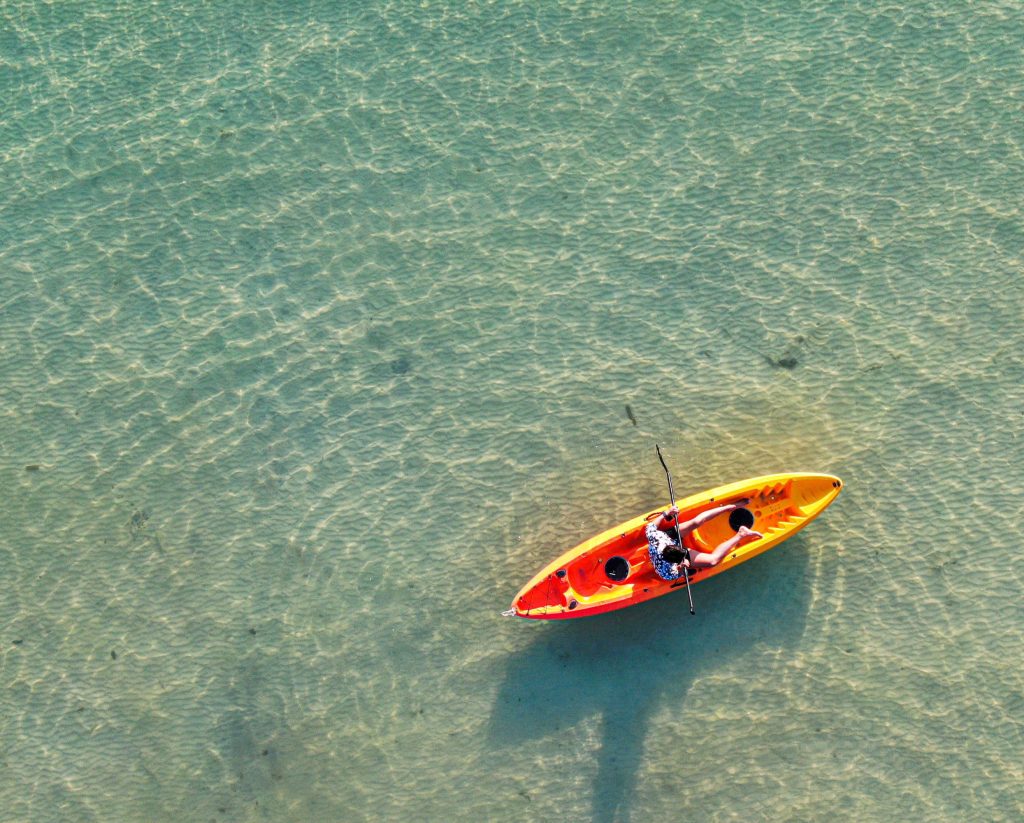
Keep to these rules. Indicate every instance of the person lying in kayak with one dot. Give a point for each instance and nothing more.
(667, 555)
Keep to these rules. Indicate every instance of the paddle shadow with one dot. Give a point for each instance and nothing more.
(625, 665)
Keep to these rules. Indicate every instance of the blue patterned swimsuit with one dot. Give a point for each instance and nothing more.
(657, 542)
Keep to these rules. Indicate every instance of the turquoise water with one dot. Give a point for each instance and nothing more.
(318, 325)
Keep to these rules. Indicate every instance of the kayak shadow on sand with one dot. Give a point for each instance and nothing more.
(626, 665)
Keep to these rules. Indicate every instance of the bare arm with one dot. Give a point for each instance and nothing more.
(705, 516)
(668, 518)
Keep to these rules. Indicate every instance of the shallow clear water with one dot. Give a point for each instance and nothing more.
(318, 329)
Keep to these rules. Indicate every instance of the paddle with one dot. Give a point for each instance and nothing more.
(679, 537)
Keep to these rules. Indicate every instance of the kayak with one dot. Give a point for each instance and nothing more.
(613, 569)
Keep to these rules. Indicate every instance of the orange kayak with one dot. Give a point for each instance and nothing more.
(613, 570)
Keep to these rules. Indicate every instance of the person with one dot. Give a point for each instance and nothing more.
(667, 555)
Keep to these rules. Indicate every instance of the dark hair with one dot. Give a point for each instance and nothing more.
(673, 555)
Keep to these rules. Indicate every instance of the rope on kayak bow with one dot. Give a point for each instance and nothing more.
(509, 613)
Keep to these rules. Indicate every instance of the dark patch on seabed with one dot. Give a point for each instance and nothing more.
(401, 364)
(627, 666)
(245, 737)
(783, 362)
(137, 522)
(792, 353)
(788, 360)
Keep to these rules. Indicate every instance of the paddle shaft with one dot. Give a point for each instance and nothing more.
(679, 536)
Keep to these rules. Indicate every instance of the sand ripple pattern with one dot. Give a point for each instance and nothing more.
(318, 323)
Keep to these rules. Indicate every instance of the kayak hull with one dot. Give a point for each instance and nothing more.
(612, 570)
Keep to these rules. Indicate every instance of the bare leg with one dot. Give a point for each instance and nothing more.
(703, 559)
